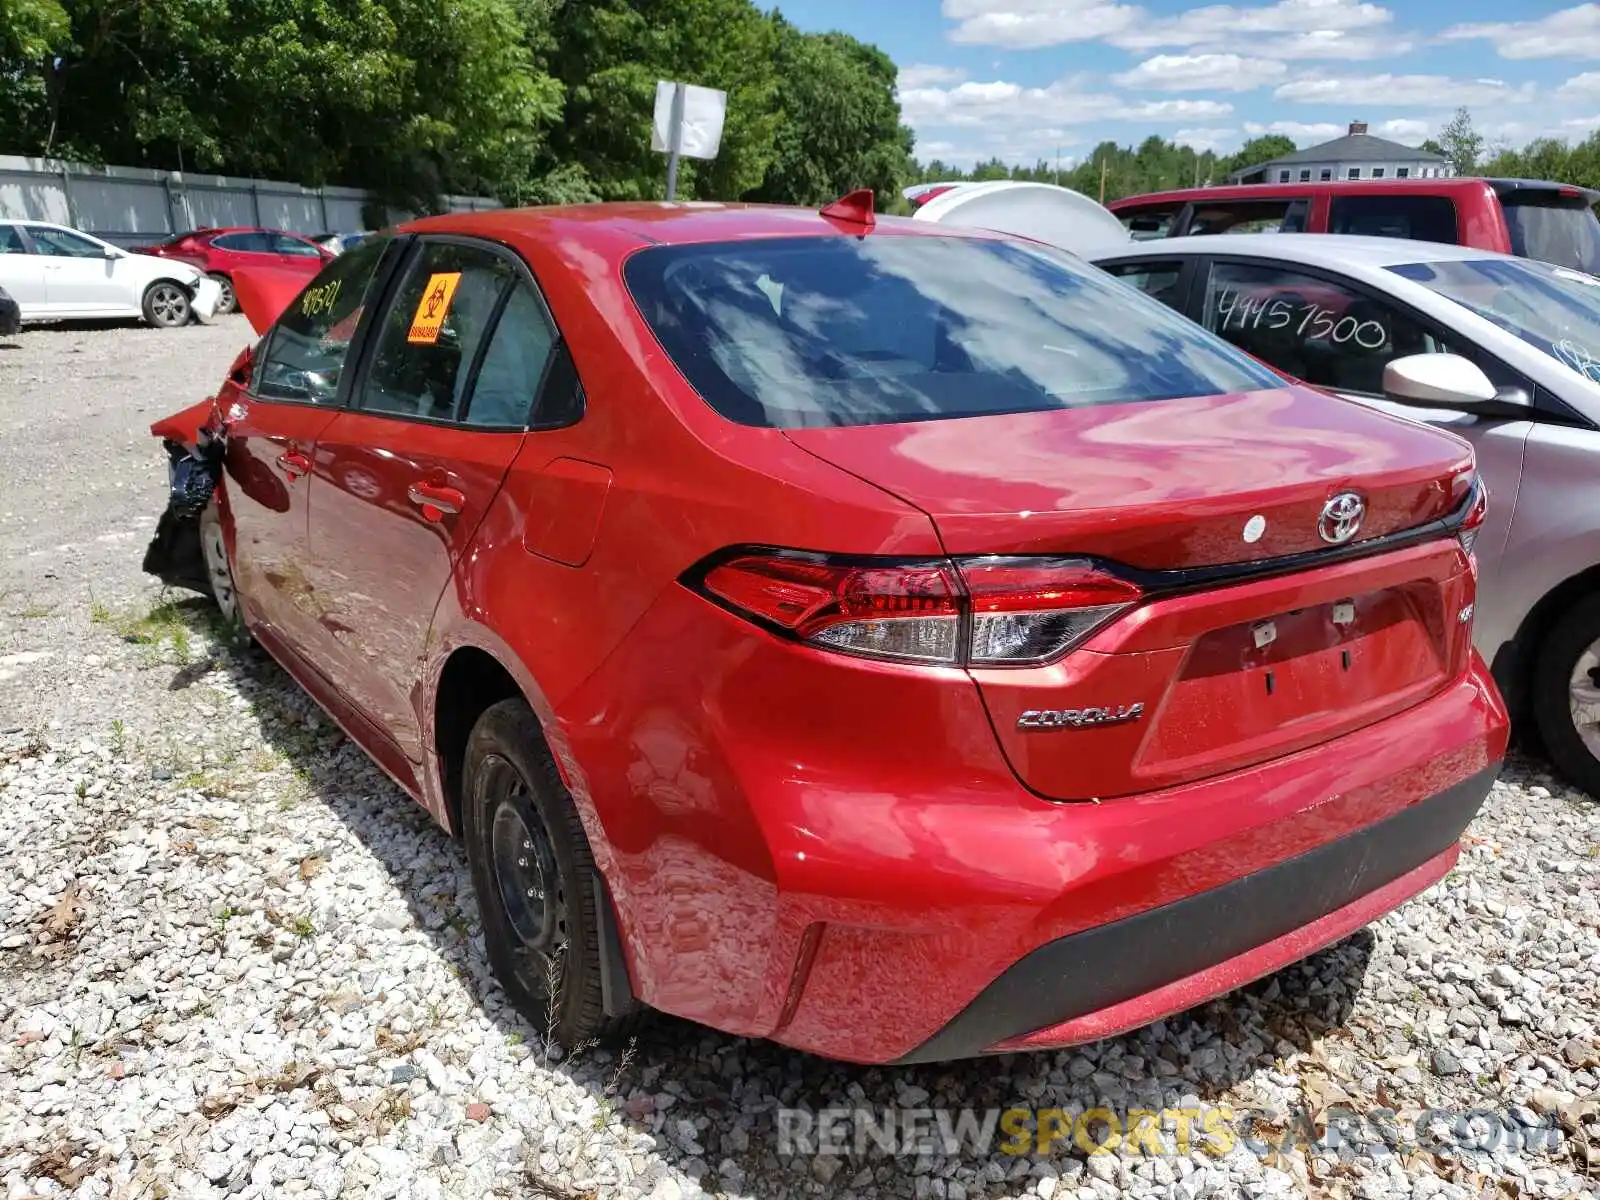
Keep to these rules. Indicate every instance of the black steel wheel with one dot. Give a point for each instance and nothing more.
(534, 875)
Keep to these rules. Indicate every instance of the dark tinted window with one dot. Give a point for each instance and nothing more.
(1554, 229)
(1250, 216)
(11, 240)
(307, 347)
(1421, 218)
(1157, 280)
(1147, 223)
(284, 244)
(255, 243)
(807, 331)
(466, 340)
(1314, 329)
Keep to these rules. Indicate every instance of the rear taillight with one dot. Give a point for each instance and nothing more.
(1477, 510)
(978, 611)
(1031, 610)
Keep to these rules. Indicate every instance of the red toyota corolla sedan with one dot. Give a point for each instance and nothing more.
(897, 641)
(223, 253)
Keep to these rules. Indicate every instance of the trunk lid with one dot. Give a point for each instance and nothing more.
(1160, 484)
(1197, 678)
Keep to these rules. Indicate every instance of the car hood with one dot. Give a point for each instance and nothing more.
(1158, 484)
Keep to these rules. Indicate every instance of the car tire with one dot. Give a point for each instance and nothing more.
(227, 301)
(219, 571)
(533, 873)
(1566, 694)
(166, 304)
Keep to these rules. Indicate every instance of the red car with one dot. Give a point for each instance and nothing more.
(1551, 222)
(221, 253)
(898, 641)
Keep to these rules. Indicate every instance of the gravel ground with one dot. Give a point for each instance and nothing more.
(234, 960)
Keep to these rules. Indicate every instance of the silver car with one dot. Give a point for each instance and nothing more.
(1503, 351)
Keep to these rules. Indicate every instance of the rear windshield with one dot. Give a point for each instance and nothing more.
(816, 331)
(1554, 229)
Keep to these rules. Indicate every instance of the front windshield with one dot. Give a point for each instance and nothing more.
(1554, 309)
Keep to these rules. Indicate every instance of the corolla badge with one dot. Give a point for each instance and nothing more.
(1341, 518)
(1079, 718)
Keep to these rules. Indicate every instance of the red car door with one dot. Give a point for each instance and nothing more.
(272, 431)
(402, 479)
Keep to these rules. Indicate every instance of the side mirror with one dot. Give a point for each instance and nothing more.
(110, 252)
(1448, 381)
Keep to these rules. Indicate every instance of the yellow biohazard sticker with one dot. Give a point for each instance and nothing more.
(432, 308)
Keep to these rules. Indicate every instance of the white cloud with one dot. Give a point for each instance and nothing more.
(928, 75)
(1299, 29)
(1202, 72)
(1402, 129)
(1000, 103)
(1403, 90)
(1303, 134)
(1569, 33)
(1024, 24)
(1204, 139)
(1580, 87)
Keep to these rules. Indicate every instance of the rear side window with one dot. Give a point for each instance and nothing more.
(461, 309)
(1146, 224)
(1554, 229)
(809, 331)
(1317, 330)
(284, 244)
(254, 243)
(1250, 216)
(1159, 281)
(1420, 218)
(11, 240)
(308, 345)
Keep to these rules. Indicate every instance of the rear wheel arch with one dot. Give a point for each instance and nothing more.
(1515, 662)
(470, 682)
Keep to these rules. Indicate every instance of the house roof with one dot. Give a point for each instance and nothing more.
(1355, 147)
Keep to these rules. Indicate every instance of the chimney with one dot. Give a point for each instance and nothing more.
(1357, 127)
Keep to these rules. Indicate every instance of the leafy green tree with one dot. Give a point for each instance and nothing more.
(1461, 143)
(1255, 152)
(610, 53)
(838, 121)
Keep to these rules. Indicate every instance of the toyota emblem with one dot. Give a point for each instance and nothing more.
(1341, 518)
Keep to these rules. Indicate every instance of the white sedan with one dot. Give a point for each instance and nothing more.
(56, 273)
(1502, 351)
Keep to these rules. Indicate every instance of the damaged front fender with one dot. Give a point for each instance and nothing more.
(174, 555)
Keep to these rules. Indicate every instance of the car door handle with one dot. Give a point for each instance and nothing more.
(294, 464)
(436, 500)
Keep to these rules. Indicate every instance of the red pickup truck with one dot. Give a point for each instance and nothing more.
(1553, 222)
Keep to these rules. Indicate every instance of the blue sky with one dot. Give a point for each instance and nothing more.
(1024, 78)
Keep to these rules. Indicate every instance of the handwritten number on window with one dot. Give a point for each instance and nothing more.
(1310, 321)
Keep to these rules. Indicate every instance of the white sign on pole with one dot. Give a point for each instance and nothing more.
(699, 125)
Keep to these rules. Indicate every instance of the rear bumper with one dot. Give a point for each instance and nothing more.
(1125, 974)
(837, 856)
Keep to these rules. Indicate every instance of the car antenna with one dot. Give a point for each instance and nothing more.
(854, 208)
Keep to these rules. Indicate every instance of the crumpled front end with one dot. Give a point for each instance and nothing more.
(174, 555)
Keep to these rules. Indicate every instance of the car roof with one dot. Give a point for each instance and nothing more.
(1417, 185)
(1332, 250)
(630, 225)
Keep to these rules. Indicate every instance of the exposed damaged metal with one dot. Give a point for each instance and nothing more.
(174, 555)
